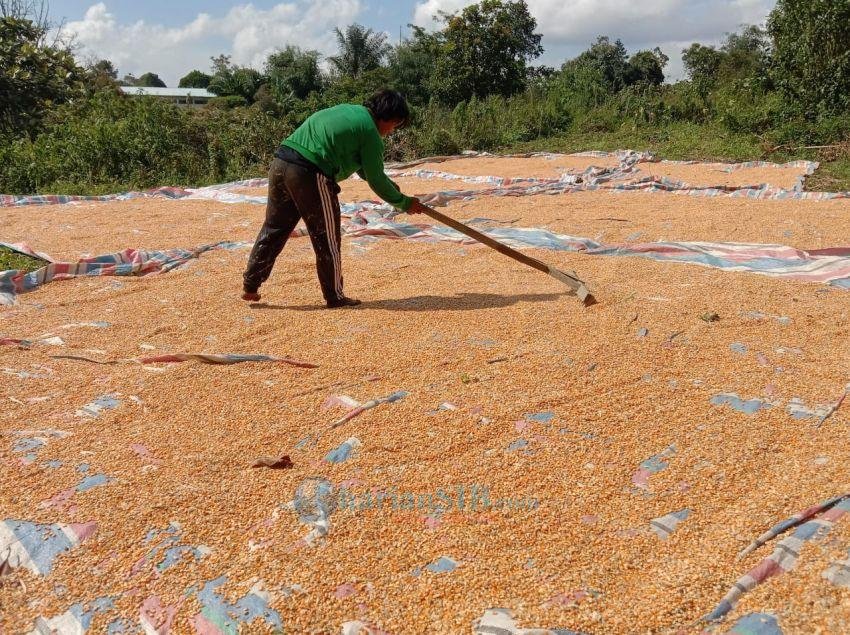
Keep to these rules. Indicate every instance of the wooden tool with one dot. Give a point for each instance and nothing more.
(568, 278)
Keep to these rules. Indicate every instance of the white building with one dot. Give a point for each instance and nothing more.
(179, 96)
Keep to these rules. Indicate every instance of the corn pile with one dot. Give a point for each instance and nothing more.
(589, 469)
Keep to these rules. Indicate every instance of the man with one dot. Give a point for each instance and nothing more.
(327, 148)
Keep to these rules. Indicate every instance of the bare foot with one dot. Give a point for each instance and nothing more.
(251, 297)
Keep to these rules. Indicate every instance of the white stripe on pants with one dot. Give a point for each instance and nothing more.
(329, 210)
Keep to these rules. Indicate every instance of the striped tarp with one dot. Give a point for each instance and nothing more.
(130, 262)
(812, 523)
(36, 547)
(591, 179)
(830, 265)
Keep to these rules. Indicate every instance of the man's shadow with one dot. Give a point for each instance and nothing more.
(459, 302)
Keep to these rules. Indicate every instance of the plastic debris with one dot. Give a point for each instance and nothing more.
(94, 409)
(345, 591)
(156, 618)
(653, 465)
(829, 265)
(666, 525)
(204, 358)
(356, 627)
(798, 410)
(47, 340)
(758, 315)
(501, 622)
(168, 551)
(313, 504)
(443, 564)
(392, 398)
(834, 407)
(311, 438)
(519, 444)
(747, 406)
(93, 325)
(540, 417)
(144, 453)
(709, 316)
(344, 451)
(756, 624)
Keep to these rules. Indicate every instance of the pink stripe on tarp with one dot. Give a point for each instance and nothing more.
(765, 569)
(156, 618)
(641, 478)
(84, 531)
(204, 627)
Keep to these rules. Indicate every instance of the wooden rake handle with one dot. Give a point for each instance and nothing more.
(568, 278)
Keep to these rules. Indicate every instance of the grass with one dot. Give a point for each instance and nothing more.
(832, 176)
(10, 260)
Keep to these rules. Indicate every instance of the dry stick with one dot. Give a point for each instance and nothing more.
(568, 278)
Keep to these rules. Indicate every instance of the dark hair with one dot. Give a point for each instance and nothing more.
(388, 105)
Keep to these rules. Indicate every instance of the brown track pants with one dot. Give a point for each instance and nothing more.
(296, 192)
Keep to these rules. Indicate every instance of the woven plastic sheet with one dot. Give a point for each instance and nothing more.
(831, 265)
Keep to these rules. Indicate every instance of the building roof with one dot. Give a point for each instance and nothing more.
(148, 91)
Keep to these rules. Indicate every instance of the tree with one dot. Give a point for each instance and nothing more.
(103, 67)
(702, 63)
(541, 73)
(195, 79)
(293, 74)
(485, 50)
(230, 80)
(412, 64)
(647, 68)
(101, 75)
(608, 59)
(151, 80)
(745, 54)
(33, 77)
(37, 12)
(811, 54)
(129, 80)
(356, 90)
(221, 65)
(360, 50)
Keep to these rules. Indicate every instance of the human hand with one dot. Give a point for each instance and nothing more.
(416, 207)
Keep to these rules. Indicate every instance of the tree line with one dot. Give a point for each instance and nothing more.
(472, 82)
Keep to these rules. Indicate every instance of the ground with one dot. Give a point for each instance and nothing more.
(595, 469)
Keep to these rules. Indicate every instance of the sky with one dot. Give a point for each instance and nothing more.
(171, 37)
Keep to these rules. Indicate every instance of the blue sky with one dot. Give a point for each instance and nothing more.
(171, 38)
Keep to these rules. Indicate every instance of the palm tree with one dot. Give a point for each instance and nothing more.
(360, 50)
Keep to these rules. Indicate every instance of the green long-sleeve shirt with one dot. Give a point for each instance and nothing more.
(343, 140)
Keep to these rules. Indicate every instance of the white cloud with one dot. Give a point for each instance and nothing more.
(247, 33)
(570, 27)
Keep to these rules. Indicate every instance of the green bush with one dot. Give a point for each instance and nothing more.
(113, 143)
(228, 101)
(744, 109)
